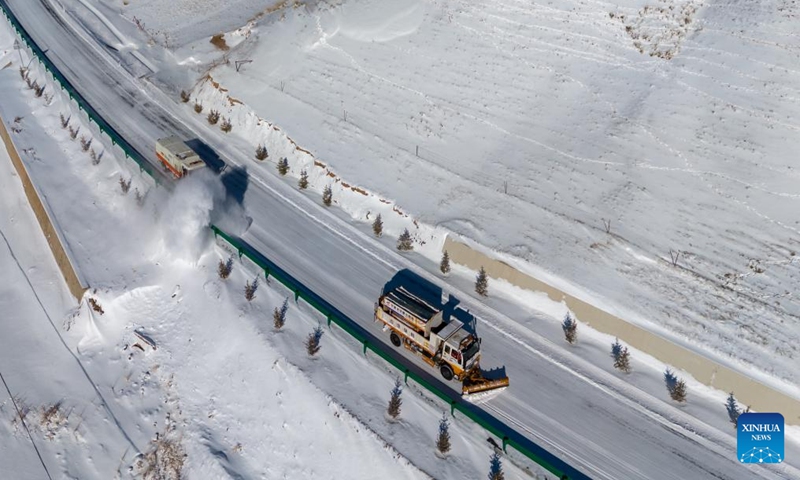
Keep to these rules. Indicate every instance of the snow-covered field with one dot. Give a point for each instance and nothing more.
(316, 65)
(221, 387)
(533, 122)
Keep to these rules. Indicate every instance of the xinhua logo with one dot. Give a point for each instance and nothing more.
(760, 438)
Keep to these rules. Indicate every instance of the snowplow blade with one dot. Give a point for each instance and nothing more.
(477, 381)
(484, 386)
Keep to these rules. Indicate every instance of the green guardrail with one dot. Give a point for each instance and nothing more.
(115, 137)
(509, 436)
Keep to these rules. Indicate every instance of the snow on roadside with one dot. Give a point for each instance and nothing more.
(361, 102)
(183, 360)
(534, 311)
(234, 388)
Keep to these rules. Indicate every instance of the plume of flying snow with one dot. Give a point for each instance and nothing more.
(187, 213)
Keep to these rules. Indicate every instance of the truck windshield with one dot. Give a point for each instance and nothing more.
(470, 351)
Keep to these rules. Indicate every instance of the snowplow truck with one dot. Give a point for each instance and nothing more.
(177, 157)
(446, 345)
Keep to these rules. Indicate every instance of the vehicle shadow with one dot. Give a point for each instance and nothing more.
(235, 179)
(207, 154)
(433, 295)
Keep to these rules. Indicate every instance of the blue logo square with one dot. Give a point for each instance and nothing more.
(760, 438)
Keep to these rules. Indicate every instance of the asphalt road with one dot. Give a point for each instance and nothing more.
(577, 412)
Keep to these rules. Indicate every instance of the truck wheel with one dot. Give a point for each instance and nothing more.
(395, 338)
(446, 371)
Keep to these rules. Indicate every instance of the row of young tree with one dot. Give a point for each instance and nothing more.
(74, 130)
(676, 387)
(312, 341)
(442, 444)
(620, 354)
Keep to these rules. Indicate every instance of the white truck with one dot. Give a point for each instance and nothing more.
(176, 156)
(445, 345)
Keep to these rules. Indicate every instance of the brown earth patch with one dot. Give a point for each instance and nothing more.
(218, 41)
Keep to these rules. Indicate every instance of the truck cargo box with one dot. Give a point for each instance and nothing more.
(177, 157)
(413, 310)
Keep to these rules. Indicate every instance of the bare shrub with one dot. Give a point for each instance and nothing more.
(95, 156)
(198, 107)
(250, 290)
(64, 120)
(261, 152)
(283, 166)
(140, 197)
(95, 306)
(213, 117)
(124, 185)
(164, 460)
(17, 126)
(86, 143)
(20, 414)
(184, 96)
(226, 125)
(377, 226)
(23, 72)
(327, 196)
(570, 327)
(52, 419)
(224, 268)
(674, 256)
(404, 243)
(38, 90)
(73, 132)
(279, 315)
(302, 183)
(312, 342)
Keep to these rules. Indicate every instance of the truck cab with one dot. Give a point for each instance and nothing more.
(459, 348)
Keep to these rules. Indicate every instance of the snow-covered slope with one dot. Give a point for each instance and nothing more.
(533, 122)
(174, 359)
(301, 21)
